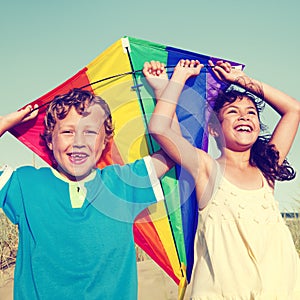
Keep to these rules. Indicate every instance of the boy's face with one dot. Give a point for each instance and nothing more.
(78, 142)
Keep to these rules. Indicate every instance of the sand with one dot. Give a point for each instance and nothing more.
(154, 283)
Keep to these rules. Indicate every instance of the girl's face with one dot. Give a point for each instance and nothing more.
(240, 124)
(78, 142)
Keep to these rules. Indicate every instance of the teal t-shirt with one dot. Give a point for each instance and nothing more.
(86, 252)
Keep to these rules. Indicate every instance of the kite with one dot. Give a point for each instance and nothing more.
(166, 230)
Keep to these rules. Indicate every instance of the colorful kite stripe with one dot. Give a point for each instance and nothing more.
(166, 230)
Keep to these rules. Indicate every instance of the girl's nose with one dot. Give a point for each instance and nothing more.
(243, 117)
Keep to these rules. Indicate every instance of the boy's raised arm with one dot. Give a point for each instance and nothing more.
(17, 117)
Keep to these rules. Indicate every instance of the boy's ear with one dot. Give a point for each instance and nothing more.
(49, 144)
(213, 130)
(104, 144)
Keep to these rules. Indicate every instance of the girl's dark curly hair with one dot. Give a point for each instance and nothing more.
(81, 100)
(263, 155)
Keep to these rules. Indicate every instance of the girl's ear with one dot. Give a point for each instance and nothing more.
(213, 130)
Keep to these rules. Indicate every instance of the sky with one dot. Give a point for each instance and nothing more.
(43, 43)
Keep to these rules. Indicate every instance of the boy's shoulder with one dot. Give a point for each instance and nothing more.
(116, 168)
(32, 171)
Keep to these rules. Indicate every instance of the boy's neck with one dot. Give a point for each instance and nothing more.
(86, 178)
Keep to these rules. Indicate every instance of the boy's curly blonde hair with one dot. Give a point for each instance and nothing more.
(80, 100)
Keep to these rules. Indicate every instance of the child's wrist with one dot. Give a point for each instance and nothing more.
(179, 79)
(242, 80)
(159, 91)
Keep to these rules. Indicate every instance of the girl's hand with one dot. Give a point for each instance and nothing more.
(156, 75)
(185, 69)
(225, 72)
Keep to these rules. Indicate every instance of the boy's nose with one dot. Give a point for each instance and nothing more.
(79, 139)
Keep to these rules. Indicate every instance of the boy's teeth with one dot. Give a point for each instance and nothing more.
(78, 155)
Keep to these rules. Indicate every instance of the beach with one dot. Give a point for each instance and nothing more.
(154, 283)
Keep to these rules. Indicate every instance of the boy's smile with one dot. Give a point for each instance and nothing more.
(78, 142)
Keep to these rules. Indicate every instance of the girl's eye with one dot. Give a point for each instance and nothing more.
(232, 111)
(252, 112)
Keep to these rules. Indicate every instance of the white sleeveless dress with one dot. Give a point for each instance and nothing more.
(243, 249)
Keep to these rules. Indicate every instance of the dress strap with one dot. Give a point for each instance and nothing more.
(212, 186)
(265, 182)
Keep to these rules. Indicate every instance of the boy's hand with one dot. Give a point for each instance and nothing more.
(156, 75)
(225, 72)
(17, 117)
(24, 114)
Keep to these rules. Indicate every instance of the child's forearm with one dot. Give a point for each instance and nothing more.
(164, 112)
(2, 126)
(6, 122)
(287, 107)
(17, 117)
(278, 100)
(281, 102)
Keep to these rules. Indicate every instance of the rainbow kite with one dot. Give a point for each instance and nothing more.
(165, 231)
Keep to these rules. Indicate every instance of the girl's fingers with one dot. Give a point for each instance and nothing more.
(210, 63)
(189, 63)
(194, 63)
(156, 68)
(224, 65)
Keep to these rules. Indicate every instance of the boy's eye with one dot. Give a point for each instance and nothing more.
(90, 132)
(67, 132)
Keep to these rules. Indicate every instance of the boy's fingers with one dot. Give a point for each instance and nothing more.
(28, 108)
(30, 112)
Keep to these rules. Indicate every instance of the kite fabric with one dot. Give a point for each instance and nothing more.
(165, 231)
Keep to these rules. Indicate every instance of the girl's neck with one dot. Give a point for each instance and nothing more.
(240, 160)
(237, 169)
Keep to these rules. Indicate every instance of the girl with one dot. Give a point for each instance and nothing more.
(243, 249)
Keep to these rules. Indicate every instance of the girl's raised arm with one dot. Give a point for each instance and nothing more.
(287, 107)
(160, 126)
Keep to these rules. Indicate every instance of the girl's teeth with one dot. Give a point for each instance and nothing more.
(243, 128)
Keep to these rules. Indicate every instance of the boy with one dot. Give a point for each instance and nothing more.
(75, 221)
